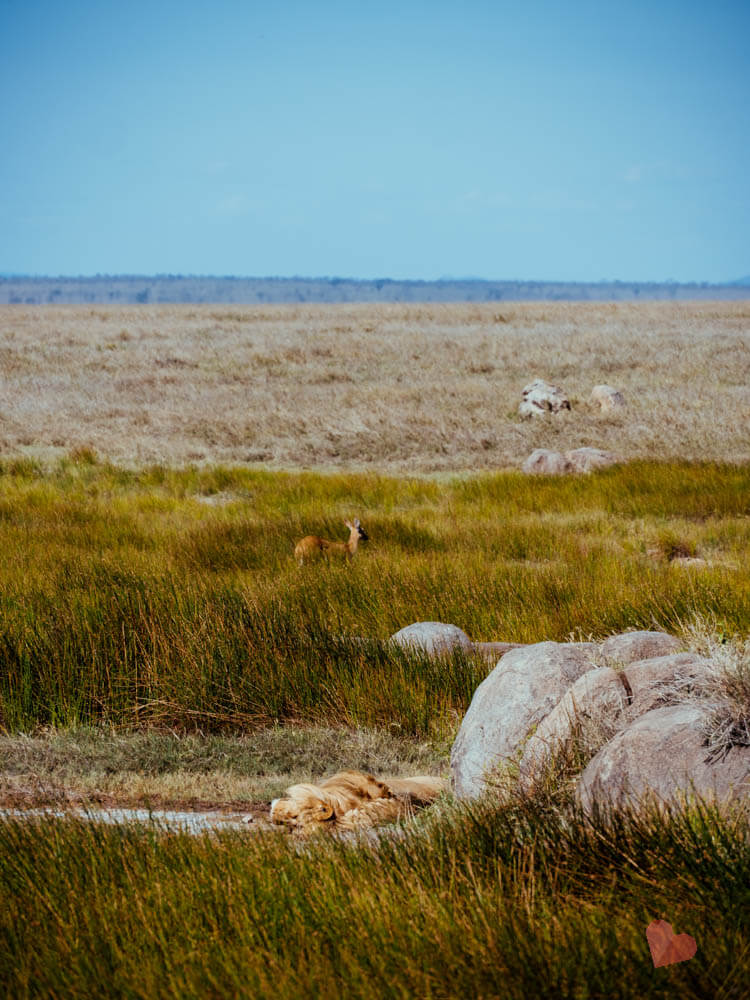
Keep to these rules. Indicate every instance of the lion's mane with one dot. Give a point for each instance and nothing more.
(352, 800)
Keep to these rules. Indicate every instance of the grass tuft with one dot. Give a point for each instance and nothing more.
(726, 688)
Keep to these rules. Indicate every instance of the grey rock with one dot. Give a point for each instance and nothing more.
(603, 701)
(543, 462)
(607, 398)
(631, 646)
(523, 688)
(655, 682)
(435, 638)
(597, 697)
(662, 756)
(589, 459)
(689, 562)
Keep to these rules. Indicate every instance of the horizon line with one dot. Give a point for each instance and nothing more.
(164, 275)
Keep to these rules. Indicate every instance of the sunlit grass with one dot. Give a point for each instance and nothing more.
(126, 598)
(516, 900)
(164, 610)
(154, 765)
(398, 388)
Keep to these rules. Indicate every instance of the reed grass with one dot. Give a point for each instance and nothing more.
(170, 597)
(520, 899)
(143, 601)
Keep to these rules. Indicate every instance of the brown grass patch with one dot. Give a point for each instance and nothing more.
(400, 388)
(97, 766)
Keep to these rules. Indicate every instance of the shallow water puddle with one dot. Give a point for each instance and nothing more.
(189, 822)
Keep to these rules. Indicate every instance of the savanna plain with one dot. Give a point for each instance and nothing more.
(160, 646)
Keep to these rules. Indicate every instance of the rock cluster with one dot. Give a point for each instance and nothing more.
(635, 692)
(639, 691)
(543, 462)
(540, 397)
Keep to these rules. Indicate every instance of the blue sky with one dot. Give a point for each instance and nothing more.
(537, 140)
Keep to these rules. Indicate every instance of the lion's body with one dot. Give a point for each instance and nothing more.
(353, 800)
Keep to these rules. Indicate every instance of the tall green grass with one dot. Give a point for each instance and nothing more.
(126, 599)
(519, 900)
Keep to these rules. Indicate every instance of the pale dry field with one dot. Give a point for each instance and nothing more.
(392, 388)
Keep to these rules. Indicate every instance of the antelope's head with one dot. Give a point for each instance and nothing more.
(357, 530)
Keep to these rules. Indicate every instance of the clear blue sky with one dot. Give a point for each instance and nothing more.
(539, 139)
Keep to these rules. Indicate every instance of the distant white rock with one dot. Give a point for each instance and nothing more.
(543, 462)
(607, 398)
(689, 562)
(539, 398)
(588, 459)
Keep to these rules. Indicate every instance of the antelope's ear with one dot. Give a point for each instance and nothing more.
(356, 522)
(348, 524)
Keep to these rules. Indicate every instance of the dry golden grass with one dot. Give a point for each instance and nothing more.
(131, 768)
(400, 388)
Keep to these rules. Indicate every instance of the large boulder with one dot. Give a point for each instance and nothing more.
(607, 398)
(662, 756)
(597, 699)
(543, 462)
(604, 700)
(434, 638)
(655, 682)
(589, 459)
(539, 398)
(631, 646)
(523, 688)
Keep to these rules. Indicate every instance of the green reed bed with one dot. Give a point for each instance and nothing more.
(518, 900)
(126, 598)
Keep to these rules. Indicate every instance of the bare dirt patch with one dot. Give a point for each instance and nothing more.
(34, 796)
(97, 768)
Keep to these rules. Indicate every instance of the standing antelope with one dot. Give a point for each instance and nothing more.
(312, 547)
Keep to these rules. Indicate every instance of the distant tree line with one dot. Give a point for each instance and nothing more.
(133, 289)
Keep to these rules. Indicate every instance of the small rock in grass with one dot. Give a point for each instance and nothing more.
(607, 398)
(540, 398)
(435, 638)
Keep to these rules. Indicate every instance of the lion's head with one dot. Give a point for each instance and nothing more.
(306, 807)
(350, 799)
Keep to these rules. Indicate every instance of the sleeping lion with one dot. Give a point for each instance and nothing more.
(351, 800)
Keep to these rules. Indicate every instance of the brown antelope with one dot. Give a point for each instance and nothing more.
(312, 547)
